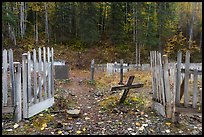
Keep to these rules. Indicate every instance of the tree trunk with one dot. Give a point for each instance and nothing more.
(192, 22)
(11, 31)
(22, 18)
(36, 27)
(25, 17)
(104, 16)
(46, 22)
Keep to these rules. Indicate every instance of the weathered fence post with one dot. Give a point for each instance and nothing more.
(24, 71)
(4, 80)
(29, 90)
(52, 71)
(44, 72)
(195, 88)
(167, 87)
(40, 74)
(11, 67)
(92, 70)
(187, 65)
(35, 76)
(178, 77)
(18, 111)
(121, 72)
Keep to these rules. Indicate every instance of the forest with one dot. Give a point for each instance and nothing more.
(114, 30)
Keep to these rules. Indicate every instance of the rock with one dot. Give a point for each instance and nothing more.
(180, 132)
(141, 128)
(130, 129)
(115, 110)
(74, 113)
(100, 123)
(87, 118)
(68, 128)
(66, 133)
(133, 133)
(9, 130)
(167, 131)
(78, 123)
(144, 125)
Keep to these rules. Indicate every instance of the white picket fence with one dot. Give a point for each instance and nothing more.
(36, 86)
(167, 83)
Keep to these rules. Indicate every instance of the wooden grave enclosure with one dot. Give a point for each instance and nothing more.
(32, 83)
(171, 94)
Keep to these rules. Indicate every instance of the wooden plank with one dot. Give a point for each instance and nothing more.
(191, 71)
(5, 78)
(11, 68)
(48, 70)
(188, 110)
(187, 64)
(160, 109)
(162, 81)
(156, 77)
(35, 76)
(40, 73)
(44, 72)
(39, 107)
(120, 87)
(129, 82)
(195, 88)
(29, 78)
(24, 71)
(174, 114)
(52, 71)
(159, 78)
(18, 111)
(178, 77)
(167, 87)
(7, 109)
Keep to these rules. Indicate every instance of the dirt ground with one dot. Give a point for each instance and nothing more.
(100, 113)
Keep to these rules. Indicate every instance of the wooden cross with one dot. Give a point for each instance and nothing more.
(127, 87)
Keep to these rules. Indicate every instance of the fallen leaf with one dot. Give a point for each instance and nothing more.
(84, 129)
(142, 113)
(15, 126)
(41, 115)
(78, 132)
(138, 124)
(52, 133)
(87, 118)
(168, 123)
(59, 132)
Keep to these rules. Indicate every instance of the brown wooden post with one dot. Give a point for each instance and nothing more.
(121, 72)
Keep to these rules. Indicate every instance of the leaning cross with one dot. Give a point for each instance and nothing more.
(127, 87)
